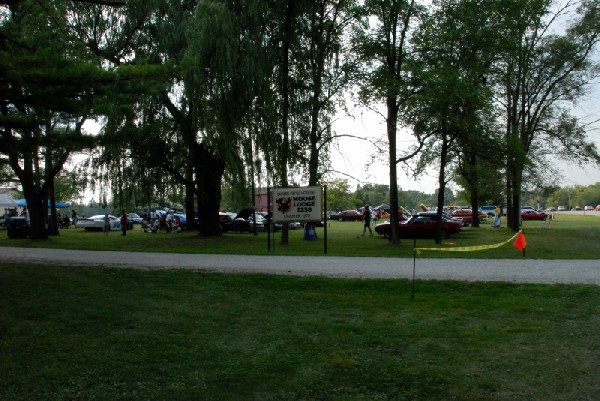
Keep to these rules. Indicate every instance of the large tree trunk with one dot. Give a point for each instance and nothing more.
(441, 188)
(38, 212)
(190, 191)
(515, 189)
(475, 205)
(392, 120)
(209, 174)
(285, 107)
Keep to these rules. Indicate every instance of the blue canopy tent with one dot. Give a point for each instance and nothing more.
(59, 205)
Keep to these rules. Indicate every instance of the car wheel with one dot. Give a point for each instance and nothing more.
(444, 233)
(340, 219)
(238, 229)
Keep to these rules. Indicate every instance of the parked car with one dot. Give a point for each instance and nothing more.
(490, 211)
(261, 223)
(467, 215)
(17, 227)
(588, 208)
(533, 215)
(347, 215)
(576, 209)
(134, 218)
(383, 214)
(238, 224)
(561, 208)
(421, 225)
(96, 223)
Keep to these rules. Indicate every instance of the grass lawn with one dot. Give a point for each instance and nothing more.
(567, 237)
(70, 333)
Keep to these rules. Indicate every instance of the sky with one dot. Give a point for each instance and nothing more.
(354, 156)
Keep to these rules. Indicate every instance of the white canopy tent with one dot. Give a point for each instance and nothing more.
(7, 201)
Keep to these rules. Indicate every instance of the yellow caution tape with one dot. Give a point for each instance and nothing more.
(468, 248)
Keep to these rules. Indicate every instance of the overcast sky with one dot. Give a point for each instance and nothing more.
(355, 155)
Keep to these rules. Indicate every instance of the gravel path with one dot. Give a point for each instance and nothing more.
(512, 270)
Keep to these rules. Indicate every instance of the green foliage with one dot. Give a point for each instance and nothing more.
(339, 196)
(580, 196)
(373, 194)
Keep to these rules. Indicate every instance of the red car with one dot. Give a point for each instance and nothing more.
(533, 215)
(347, 215)
(467, 215)
(421, 225)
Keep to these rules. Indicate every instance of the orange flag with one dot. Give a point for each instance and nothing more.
(520, 242)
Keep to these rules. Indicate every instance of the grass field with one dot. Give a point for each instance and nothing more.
(118, 334)
(73, 333)
(567, 237)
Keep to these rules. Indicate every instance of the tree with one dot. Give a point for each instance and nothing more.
(544, 72)
(385, 49)
(339, 196)
(223, 79)
(465, 39)
(212, 52)
(373, 194)
(454, 53)
(49, 85)
(327, 73)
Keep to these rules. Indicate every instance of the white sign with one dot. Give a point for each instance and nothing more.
(296, 204)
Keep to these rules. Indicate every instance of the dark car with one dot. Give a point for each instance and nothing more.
(238, 224)
(18, 227)
(421, 225)
(347, 215)
(533, 215)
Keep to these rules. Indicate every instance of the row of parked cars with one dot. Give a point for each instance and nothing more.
(588, 208)
(96, 222)
(244, 221)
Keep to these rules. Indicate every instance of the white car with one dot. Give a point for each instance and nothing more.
(134, 218)
(561, 208)
(588, 208)
(96, 223)
(260, 223)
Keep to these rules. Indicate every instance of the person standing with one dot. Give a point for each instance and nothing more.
(124, 222)
(367, 220)
(106, 224)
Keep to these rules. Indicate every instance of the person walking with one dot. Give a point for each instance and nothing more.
(367, 220)
(124, 222)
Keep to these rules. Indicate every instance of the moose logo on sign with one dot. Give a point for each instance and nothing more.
(284, 204)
